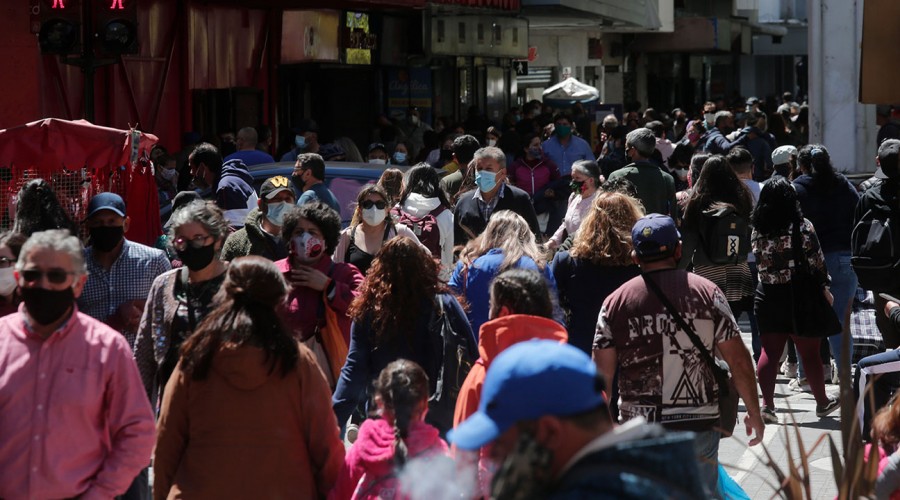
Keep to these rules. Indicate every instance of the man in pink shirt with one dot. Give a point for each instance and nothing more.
(74, 417)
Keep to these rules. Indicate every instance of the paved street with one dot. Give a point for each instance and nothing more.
(738, 459)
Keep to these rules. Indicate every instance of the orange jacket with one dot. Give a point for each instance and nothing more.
(493, 338)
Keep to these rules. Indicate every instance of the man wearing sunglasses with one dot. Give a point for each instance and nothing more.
(76, 422)
(120, 272)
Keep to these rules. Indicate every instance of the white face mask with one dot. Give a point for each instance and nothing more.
(373, 216)
(492, 142)
(377, 161)
(7, 281)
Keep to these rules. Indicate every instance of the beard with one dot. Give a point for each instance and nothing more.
(525, 473)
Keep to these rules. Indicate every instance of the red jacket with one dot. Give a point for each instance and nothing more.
(533, 176)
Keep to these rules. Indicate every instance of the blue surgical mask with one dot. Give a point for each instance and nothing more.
(399, 157)
(300, 141)
(276, 212)
(485, 180)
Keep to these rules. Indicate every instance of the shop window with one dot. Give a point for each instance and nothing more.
(440, 31)
(480, 33)
(498, 33)
(515, 37)
(461, 32)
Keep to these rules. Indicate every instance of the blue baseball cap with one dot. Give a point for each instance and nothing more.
(106, 201)
(654, 234)
(527, 381)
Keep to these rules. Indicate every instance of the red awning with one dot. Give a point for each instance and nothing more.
(512, 5)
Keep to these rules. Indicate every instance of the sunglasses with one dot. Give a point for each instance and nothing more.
(381, 205)
(55, 276)
(198, 242)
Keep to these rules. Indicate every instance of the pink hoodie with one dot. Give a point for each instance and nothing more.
(372, 456)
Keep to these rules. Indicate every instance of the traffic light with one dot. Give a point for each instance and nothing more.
(115, 26)
(60, 29)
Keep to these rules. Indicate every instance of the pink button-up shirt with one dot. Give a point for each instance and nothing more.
(74, 417)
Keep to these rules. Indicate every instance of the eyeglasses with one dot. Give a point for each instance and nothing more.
(197, 242)
(56, 276)
(369, 204)
(6, 262)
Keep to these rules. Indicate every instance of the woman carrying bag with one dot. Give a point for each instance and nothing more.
(792, 299)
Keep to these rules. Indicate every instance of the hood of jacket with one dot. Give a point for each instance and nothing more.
(236, 168)
(498, 334)
(376, 441)
(419, 206)
(243, 367)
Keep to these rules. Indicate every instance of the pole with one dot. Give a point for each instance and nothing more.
(87, 56)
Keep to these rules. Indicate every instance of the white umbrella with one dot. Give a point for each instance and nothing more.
(571, 91)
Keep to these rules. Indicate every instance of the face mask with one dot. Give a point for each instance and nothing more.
(518, 118)
(576, 186)
(7, 281)
(563, 131)
(275, 212)
(105, 238)
(486, 181)
(414, 120)
(400, 157)
(693, 137)
(373, 216)
(308, 247)
(46, 306)
(709, 118)
(492, 142)
(446, 155)
(300, 141)
(196, 259)
(168, 174)
(377, 161)
(682, 173)
(538, 153)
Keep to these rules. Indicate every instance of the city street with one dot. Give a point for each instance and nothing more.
(751, 472)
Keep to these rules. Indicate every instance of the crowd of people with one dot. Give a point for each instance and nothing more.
(513, 314)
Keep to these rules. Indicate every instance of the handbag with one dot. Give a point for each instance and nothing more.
(728, 395)
(811, 314)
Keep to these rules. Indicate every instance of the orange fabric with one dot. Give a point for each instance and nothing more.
(333, 341)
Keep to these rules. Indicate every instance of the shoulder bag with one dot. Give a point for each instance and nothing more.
(811, 314)
(728, 395)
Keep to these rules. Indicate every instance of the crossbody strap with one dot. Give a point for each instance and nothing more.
(707, 357)
(187, 295)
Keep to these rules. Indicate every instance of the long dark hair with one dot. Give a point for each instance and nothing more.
(815, 159)
(777, 209)
(39, 209)
(401, 276)
(403, 389)
(245, 313)
(717, 184)
(424, 180)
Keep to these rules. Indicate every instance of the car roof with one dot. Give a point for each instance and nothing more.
(332, 169)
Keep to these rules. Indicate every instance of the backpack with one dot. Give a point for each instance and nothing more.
(451, 361)
(426, 228)
(875, 250)
(725, 236)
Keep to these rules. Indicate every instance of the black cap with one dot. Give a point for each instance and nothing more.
(306, 125)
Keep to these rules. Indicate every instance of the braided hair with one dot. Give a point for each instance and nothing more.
(523, 291)
(402, 387)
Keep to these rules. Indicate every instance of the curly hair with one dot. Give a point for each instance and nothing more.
(402, 387)
(604, 237)
(390, 299)
(324, 217)
(38, 209)
(245, 313)
(717, 184)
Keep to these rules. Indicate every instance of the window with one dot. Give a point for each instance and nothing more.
(498, 33)
(515, 37)
(461, 33)
(440, 31)
(480, 33)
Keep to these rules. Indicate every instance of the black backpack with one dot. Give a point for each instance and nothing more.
(725, 235)
(452, 360)
(875, 250)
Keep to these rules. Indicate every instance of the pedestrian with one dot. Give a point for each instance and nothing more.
(507, 243)
(261, 234)
(828, 200)
(179, 299)
(598, 263)
(398, 436)
(74, 421)
(424, 207)
(533, 173)
(655, 188)
(394, 317)
(586, 180)
(309, 179)
(377, 154)
(245, 413)
(715, 142)
(321, 289)
(554, 443)
(39, 209)
(247, 141)
(10, 248)
(564, 148)
(120, 272)
(774, 219)
(391, 181)
(400, 156)
(474, 209)
(784, 162)
(371, 227)
(663, 376)
(229, 184)
(306, 140)
(459, 153)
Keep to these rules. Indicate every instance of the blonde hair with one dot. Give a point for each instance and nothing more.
(508, 232)
(604, 237)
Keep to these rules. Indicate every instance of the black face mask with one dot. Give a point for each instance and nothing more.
(196, 259)
(105, 238)
(46, 306)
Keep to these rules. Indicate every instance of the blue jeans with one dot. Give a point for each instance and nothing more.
(706, 444)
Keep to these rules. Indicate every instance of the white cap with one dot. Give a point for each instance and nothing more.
(782, 154)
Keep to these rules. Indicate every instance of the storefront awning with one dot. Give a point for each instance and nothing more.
(618, 14)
